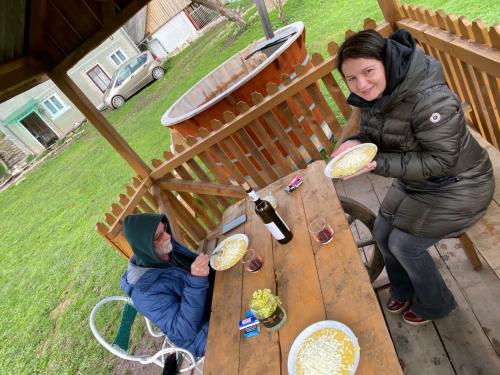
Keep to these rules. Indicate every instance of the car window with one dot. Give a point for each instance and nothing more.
(138, 62)
(123, 74)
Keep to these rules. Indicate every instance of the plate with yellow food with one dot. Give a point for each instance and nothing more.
(351, 160)
(327, 347)
(229, 252)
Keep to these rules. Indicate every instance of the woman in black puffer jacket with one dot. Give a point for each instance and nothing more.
(443, 177)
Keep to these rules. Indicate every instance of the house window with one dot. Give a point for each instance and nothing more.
(118, 57)
(55, 105)
(99, 77)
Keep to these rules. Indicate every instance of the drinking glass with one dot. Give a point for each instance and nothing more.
(252, 261)
(321, 230)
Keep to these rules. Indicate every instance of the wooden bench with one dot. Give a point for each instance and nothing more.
(484, 236)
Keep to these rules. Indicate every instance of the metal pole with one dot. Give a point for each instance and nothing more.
(264, 19)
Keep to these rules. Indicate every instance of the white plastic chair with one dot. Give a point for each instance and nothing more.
(158, 358)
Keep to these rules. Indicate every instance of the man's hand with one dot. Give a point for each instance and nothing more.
(367, 168)
(344, 146)
(200, 266)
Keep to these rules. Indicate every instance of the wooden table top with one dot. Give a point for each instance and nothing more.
(315, 282)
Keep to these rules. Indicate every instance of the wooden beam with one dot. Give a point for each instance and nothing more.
(390, 11)
(128, 209)
(485, 59)
(244, 119)
(78, 98)
(19, 75)
(37, 28)
(108, 28)
(206, 188)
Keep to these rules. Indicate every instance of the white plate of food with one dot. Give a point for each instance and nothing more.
(351, 160)
(229, 252)
(327, 347)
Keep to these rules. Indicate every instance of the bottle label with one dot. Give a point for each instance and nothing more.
(283, 221)
(253, 195)
(275, 231)
(275, 318)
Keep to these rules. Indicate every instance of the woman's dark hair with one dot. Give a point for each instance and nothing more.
(367, 44)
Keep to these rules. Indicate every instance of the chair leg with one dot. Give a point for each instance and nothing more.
(470, 251)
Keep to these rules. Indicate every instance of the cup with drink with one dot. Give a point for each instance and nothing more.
(252, 261)
(321, 230)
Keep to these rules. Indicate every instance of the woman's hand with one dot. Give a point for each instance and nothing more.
(367, 168)
(200, 266)
(344, 146)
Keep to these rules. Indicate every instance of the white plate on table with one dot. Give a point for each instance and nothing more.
(351, 160)
(319, 344)
(229, 252)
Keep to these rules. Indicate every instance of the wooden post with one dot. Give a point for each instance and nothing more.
(78, 98)
(390, 11)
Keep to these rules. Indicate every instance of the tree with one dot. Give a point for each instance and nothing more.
(232, 15)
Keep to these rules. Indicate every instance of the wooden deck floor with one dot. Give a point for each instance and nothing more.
(467, 341)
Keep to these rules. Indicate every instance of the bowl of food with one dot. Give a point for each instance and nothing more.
(229, 252)
(350, 161)
(327, 347)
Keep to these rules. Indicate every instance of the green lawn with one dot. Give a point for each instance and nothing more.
(55, 267)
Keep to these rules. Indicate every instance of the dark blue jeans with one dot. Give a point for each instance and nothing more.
(412, 271)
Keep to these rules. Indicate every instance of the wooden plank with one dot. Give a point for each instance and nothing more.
(142, 203)
(204, 188)
(453, 26)
(282, 164)
(136, 182)
(266, 105)
(278, 130)
(246, 139)
(166, 208)
(390, 10)
(309, 118)
(350, 297)
(265, 348)
(222, 356)
(296, 274)
(487, 60)
(285, 110)
(336, 93)
(480, 289)
(419, 348)
(130, 207)
(200, 173)
(324, 109)
(468, 348)
(102, 229)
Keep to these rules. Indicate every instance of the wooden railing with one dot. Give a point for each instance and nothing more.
(292, 124)
(470, 56)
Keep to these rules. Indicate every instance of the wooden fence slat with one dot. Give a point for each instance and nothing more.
(452, 22)
(187, 201)
(209, 205)
(192, 230)
(286, 112)
(230, 144)
(124, 201)
(281, 163)
(116, 210)
(480, 33)
(337, 95)
(136, 182)
(109, 218)
(200, 173)
(369, 24)
(249, 144)
(494, 34)
(205, 188)
(103, 231)
(142, 203)
(299, 100)
(278, 130)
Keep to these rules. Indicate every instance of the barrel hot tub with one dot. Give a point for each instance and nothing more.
(235, 80)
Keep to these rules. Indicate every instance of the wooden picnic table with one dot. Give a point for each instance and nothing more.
(315, 282)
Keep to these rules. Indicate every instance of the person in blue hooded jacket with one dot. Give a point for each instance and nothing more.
(167, 282)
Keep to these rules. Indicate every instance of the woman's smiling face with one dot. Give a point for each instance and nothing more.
(365, 77)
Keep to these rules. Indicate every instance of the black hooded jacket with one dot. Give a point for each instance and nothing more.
(445, 180)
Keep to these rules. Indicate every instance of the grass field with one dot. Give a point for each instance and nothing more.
(54, 265)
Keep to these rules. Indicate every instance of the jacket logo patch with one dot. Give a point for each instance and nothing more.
(435, 117)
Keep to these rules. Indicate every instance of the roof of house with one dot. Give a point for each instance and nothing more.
(41, 36)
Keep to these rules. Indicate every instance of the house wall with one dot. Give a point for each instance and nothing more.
(175, 33)
(102, 56)
(13, 110)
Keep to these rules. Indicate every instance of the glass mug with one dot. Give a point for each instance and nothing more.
(321, 230)
(252, 261)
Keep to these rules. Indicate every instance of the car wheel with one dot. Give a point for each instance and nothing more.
(158, 73)
(117, 101)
